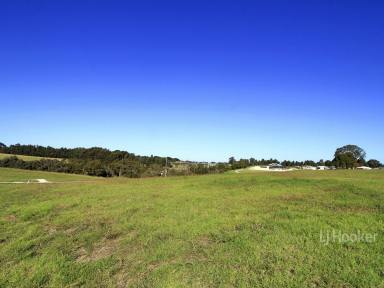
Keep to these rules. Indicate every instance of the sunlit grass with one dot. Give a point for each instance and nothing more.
(25, 157)
(230, 230)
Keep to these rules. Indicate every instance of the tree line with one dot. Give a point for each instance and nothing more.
(346, 157)
(102, 162)
(93, 161)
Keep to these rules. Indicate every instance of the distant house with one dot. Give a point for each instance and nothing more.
(275, 166)
(364, 168)
(322, 167)
(309, 167)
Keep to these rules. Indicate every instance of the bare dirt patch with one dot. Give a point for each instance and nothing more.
(292, 197)
(10, 218)
(30, 181)
(122, 280)
(102, 250)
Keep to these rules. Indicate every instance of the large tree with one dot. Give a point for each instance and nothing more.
(349, 156)
(345, 161)
(357, 152)
(373, 163)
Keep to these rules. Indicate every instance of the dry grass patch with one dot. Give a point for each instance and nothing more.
(100, 251)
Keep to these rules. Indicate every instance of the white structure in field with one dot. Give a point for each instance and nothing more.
(275, 166)
(322, 168)
(309, 168)
(364, 168)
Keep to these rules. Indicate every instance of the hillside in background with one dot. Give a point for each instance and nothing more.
(98, 161)
(102, 162)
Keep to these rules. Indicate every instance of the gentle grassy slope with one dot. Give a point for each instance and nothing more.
(233, 230)
(10, 175)
(25, 157)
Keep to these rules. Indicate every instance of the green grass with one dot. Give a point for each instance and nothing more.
(230, 230)
(11, 175)
(24, 157)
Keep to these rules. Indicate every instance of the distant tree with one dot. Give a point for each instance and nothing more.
(345, 161)
(153, 170)
(361, 162)
(356, 151)
(200, 169)
(2, 145)
(231, 160)
(349, 156)
(309, 163)
(373, 163)
(243, 163)
(288, 163)
(273, 161)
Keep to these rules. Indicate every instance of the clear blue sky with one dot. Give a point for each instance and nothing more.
(199, 80)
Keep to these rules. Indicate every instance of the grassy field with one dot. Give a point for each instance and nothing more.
(24, 157)
(230, 230)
